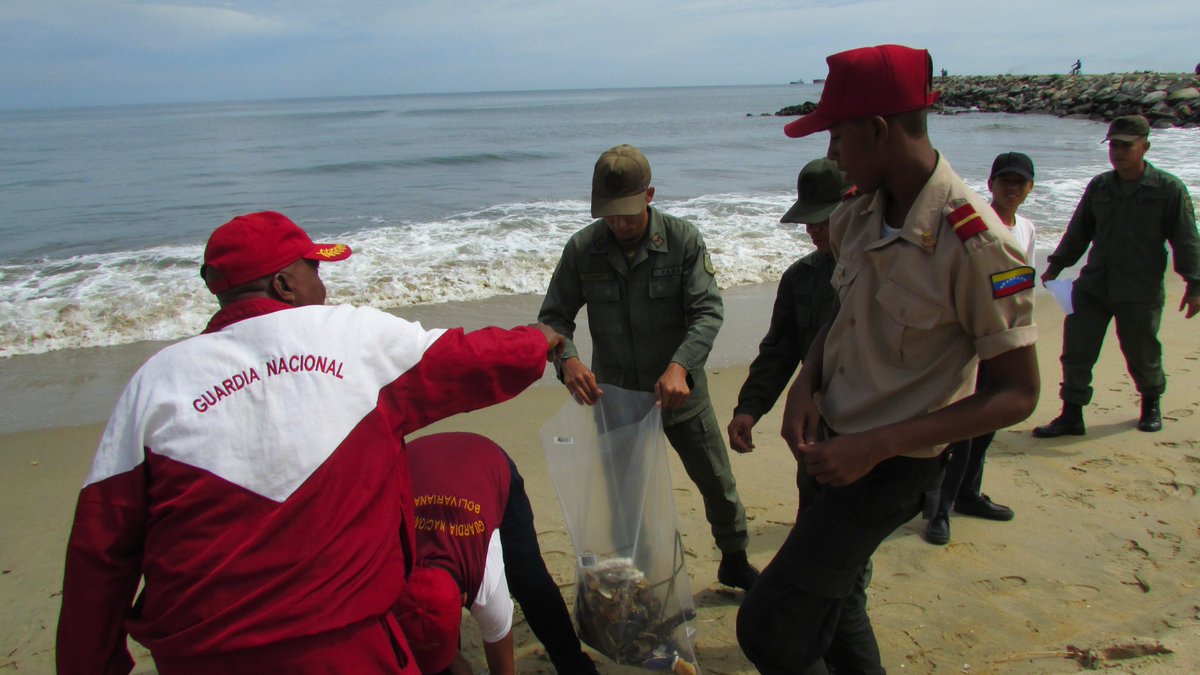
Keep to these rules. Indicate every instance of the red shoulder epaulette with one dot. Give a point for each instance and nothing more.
(966, 222)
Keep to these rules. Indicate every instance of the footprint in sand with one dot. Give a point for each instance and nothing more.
(896, 613)
(1179, 413)
(1002, 584)
(1135, 547)
(1179, 444)
(1173, 541)
(1078, 593)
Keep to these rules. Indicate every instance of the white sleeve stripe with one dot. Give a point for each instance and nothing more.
(493, 608)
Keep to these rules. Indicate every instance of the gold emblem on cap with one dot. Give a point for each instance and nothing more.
(332, 251)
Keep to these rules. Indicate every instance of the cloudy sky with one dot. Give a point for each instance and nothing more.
(86, 52)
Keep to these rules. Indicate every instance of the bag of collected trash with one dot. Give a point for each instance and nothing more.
(609, 466)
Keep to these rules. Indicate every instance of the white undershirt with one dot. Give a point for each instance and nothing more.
(493, 608)
(1022, 232)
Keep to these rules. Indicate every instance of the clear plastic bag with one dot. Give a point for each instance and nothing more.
(609, 466)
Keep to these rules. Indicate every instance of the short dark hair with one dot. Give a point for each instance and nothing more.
(914, 122)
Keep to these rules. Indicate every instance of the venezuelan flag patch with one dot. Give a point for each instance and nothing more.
(966, 222)
(1012, 282)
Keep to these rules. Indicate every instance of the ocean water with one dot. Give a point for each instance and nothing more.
(104, 211)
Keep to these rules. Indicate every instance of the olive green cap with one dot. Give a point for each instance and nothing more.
(1128, 128)
(820, 187)
(619, 182)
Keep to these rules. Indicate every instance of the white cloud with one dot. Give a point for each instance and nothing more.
(88, 51)
(202, 23)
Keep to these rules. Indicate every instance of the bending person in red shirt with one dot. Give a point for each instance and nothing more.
(476, 543)
(253, 479)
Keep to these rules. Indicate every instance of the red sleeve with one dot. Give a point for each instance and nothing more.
(461, 372)
(104, 565)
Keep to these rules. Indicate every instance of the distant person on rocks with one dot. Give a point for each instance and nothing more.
(927, 283)
(1076, 67)
(476, 543)
(1010, 183)
(653, 310)
(1127, 216)
(252, 480)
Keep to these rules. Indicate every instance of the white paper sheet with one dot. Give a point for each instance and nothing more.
(1061, 290)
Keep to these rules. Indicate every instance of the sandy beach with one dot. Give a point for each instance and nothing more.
(1102, 560)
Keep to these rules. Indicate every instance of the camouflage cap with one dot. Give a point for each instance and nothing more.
(1128, 128)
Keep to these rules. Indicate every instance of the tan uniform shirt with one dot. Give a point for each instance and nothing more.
(919, 307)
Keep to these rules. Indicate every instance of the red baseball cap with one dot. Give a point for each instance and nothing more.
(429, 612)
(882, 80)
(257, 244)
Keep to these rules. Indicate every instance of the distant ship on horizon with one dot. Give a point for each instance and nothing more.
(819, 80)
(796, 82)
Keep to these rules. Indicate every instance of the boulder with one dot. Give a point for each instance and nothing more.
(1161, 109)
(1171, 99)
(1185, 94)
(1154, 97)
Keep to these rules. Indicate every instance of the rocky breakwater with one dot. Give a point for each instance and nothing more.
(1166, 99)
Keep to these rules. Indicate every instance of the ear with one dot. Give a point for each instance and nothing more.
(991, 188)
(878, 129)
(649, 194)
(281, 288)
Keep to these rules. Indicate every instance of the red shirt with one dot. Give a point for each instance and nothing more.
(460, 486)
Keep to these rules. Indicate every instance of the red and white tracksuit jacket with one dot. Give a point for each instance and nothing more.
(255, 477)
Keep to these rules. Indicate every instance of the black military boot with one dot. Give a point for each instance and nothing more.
(937, 530)
(736, 571)
(1151, 415)
(1069, 423)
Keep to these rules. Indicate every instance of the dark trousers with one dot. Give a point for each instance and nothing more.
(808, 609)
(533, 588)
(700, 443)
(964, 471)
(964, 463)
(1083, 335)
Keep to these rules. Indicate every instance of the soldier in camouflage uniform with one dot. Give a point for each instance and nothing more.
(1127, 215)
(653, 310)
(803, 304)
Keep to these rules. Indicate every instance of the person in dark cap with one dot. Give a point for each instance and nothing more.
(253, 479)
(1010, 183)
(928, 283)
(476, 543)
(803, 303)
(1127, 216)
(653, 310)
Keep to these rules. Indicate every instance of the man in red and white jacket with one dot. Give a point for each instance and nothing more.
(255, 476)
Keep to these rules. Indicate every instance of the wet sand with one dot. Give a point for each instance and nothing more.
(1104, 553)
